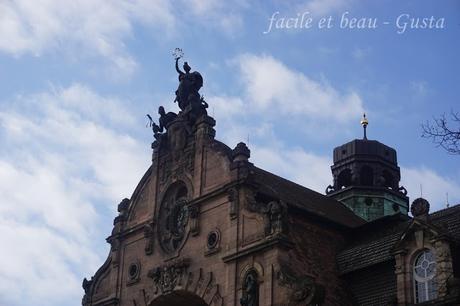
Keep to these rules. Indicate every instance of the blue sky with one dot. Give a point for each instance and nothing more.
(77, 78)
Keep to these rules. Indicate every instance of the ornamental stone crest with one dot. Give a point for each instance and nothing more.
(166, 278)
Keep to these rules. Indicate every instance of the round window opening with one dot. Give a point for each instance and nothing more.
(133, 270)
(368, 201)
(425, 265)
(173, 218)
(213, 239)
(425, 286)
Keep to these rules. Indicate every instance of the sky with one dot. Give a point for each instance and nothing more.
(290, 78)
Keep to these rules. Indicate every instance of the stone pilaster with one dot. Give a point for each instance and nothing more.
(401, 278)
(443, 266)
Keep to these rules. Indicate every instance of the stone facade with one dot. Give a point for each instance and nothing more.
(205, 226)
(199, 223)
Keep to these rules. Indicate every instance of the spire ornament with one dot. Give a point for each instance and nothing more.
(364, 123)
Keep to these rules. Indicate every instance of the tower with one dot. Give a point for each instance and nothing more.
(366, 178)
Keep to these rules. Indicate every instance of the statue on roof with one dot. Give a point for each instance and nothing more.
(163, 122)
(187, 95)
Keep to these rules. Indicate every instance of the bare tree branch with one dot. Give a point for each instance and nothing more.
(444, 132)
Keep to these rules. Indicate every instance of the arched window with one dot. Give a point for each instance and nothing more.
(344, 178)
(389, 181)
(425, 287)
(366, 176)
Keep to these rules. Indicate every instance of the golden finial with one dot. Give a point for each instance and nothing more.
(364, 123)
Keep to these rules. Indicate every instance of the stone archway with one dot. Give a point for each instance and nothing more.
(178, 298)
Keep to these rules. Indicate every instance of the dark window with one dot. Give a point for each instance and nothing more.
(344, 179)
(367, 176)
(388, 179)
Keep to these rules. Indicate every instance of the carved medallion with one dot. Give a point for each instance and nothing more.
(173, 219)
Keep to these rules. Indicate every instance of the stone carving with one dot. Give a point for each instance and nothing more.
(173, 219)
(202, 284)
(165, 165)
(122, 211)
(165, 118)
(330, 189)
(164, 121)
(241, 152)
(149, 238)
(250, 290)
(134, 271)
(194, 212)
(166, 278)
(403, 190)
(180, 161)
(86, 287)
(251, 203)
(303, 288)
(420, 207)
(276, 214)
(86, 284)
(233, 199)
(213, 239)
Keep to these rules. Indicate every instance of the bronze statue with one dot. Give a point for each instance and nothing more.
(187, 95)
(165, 118)
(250, 290)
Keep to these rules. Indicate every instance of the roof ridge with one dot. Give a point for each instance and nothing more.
(447, 210)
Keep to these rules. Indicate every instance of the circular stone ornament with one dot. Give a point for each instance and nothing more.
(173, 219)
(420, 207)
(213, 239)
(133, 270)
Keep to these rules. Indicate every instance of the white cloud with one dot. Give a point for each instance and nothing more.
(223, 15)
(66, 168)
(324, 7)
(272, 87)
(98, 28)
(419, 88)
(295, 164)
(87, 26)
(434, 186)
(360, 53)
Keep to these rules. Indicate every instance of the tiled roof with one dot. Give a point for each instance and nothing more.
(371, 243)
(304, 198)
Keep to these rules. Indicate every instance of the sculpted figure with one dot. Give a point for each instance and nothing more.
(86, 284)
(250, 291)
(329, 189)
(275, 215)
(189, 85)
(165, 118)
